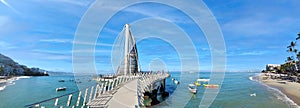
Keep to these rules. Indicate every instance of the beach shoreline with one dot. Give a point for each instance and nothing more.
(7, 80)
(290, 89)
(10, 81)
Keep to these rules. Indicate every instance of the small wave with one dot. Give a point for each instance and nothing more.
(283, 97)
(254, 78)
(251, 78)
(2, 88)
(8, 83)
(12, 81)
(22, 77)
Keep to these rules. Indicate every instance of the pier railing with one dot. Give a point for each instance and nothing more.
(82, 97)
(100, 94)
(74, 99)
(145, 82)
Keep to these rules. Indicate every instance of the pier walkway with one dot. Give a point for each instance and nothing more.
(125, 88)
(129, 94)
(126, 96)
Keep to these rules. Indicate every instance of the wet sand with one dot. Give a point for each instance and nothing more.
(8, 79)
(291, 89)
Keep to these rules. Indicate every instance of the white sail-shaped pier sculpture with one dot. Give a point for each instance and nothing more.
(124, 53)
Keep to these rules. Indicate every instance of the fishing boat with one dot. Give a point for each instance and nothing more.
(253, 94)
(192, 88)
(211, 85)
(197, 83)
(176, 81)
(61, 80)
(61, 88)
(203, 80)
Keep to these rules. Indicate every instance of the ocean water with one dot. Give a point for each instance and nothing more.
(234, 92)
(25, 91)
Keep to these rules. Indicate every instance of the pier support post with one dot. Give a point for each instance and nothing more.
(101, 88)
(108, 86)
(69, 100)
(113, 84)
(96, 91)
(104, 89)
(91, 93)
(78, 99)
(84, 98)
(56, 102)
(163, 85)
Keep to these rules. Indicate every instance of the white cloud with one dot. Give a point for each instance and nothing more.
(247, 53)
(90, 51)
(73, 2)
(163, 12)
(257, 26)
(253, 53)
(57, 40)
(9, 6)
(5, 45)
(69, 41)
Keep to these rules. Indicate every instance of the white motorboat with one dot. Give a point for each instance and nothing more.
(253, 94)
(176, 82)
(192, 88)
(203, 80)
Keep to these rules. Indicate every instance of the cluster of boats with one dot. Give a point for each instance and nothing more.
(193, 87)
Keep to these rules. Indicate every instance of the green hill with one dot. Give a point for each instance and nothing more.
(8, 67)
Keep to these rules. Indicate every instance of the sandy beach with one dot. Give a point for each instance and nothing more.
(9, 81)
(6, 80)
(291, 89)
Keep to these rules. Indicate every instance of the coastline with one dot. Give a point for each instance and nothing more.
(7, 80)
(290, 89)
(10, 81)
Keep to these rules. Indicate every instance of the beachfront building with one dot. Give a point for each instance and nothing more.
(272, 68)
(298, 65)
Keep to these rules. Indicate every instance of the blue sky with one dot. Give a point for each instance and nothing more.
(40, 33)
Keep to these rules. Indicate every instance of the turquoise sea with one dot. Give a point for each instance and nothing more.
(234, 92)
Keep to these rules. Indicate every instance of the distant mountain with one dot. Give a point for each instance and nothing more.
(9, 67)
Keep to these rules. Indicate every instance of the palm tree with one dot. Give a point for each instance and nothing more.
(298, 36)
(298, 56)
(289, 59)
(293, 44)
(291, 49)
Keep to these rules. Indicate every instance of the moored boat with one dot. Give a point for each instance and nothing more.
(211, 85)
(203, 80)
(176, 82)
(197, 83)
(192, 88)
(253, 94)
(61, 88)
(61, 80)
